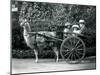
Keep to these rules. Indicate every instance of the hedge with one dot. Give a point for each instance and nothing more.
(45, 54)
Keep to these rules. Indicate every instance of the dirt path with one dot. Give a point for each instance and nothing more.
(45, 65)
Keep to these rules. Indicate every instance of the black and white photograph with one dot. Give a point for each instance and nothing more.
(52, 37)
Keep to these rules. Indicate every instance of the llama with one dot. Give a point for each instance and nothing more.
(32, 41)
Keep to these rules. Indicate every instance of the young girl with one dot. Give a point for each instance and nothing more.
(78, 29)
(67, 29)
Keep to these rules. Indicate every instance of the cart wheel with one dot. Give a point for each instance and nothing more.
(72, 49)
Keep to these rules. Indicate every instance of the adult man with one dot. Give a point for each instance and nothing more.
(81, 25)
(79, 28)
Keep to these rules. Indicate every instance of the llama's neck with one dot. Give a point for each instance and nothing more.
(26, 29)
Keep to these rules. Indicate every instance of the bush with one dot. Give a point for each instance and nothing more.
(45, 54)
(30, 54)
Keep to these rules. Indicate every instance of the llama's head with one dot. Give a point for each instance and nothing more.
(25, 24)
(22, 23)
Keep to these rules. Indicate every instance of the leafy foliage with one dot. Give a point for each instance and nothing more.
(52, 14)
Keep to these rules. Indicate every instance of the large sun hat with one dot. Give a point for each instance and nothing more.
(75, 26)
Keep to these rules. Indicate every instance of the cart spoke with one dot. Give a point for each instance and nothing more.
(69, 55)
(74, 42)
(80, 49)
(79, 45)
(66, 54)
(74, 56)
(77, 55)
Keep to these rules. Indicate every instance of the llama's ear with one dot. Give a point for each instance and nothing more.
(21, 24)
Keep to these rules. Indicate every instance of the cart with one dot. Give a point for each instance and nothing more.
(72, 48)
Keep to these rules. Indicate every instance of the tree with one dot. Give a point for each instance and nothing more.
(52, 14)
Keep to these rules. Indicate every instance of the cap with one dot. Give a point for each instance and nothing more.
(81, 21)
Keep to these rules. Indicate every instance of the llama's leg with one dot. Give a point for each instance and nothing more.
(36, 55)
(57, 53)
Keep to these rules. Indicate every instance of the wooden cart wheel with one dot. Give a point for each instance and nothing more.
(73, 49)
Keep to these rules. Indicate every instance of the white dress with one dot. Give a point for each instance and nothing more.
(65, 31)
